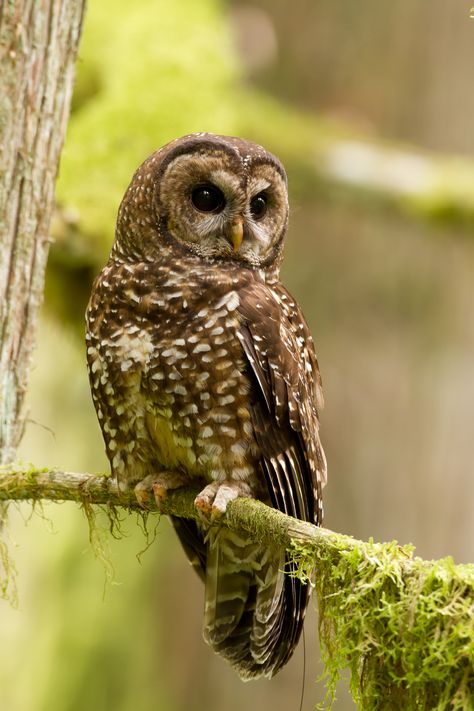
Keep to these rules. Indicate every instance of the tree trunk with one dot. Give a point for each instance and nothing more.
(39, 40)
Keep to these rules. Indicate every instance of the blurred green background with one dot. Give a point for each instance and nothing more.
(388, 293)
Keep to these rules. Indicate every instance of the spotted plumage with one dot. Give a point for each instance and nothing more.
(203, 371)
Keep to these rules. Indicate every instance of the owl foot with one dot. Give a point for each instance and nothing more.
(212, 502)
(157, 486)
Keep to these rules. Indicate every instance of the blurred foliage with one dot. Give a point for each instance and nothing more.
(147, 72)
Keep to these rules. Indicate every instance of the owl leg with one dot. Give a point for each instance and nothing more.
(213, 499)
(157, 486)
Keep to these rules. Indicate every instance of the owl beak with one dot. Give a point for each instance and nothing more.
(237, 233)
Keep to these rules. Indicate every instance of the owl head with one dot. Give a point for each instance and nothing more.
(220, 198)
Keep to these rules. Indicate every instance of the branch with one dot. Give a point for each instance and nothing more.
(262, 523)
(403, 626)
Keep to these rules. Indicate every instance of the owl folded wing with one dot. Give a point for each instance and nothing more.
(285, 399)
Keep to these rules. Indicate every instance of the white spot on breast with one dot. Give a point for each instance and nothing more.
(95, 366)
(220, 417)
(238, 449)
(180, 390)
(117, 463)
(202, 348)
(206, 432)
(226, 400)
(190, 409)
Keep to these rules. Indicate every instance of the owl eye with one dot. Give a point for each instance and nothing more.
(207, 198)
(258, 205)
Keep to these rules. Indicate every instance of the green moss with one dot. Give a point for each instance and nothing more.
(107, 521)
(403, 626)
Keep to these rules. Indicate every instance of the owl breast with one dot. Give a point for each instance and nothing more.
(184, 390)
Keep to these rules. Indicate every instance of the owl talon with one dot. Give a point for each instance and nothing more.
(213, 500)
(157, 486)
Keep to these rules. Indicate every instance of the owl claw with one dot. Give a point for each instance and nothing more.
(157, 486)
(212, 502)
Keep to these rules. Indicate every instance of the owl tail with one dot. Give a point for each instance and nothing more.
(253, 612)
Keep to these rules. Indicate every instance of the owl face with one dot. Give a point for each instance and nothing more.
(225, 204)
(219, 197)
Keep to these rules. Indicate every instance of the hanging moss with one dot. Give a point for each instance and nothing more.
(8, 587)
(403, 626)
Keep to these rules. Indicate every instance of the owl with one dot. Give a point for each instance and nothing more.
(203, 372)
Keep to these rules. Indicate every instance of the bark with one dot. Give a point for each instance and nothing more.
(39, 41)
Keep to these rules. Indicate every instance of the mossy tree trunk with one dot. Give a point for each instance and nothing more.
(39, 41)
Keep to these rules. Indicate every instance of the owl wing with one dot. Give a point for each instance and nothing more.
(285, 400)
(284, 404)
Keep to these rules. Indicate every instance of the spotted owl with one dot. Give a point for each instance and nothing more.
(203, 372)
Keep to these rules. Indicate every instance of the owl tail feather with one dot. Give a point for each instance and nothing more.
(253, 613)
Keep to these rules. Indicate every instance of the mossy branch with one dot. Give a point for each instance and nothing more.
(403, 626)
(262, 523)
